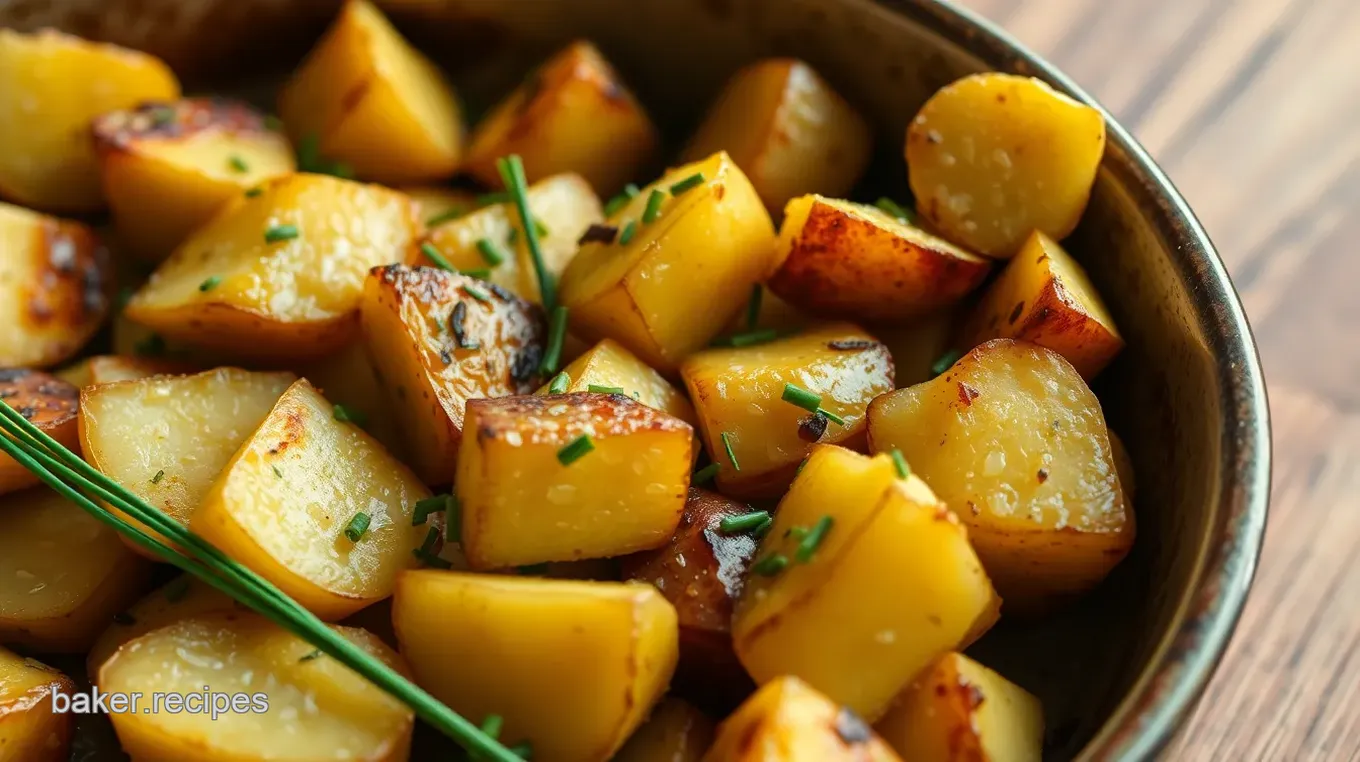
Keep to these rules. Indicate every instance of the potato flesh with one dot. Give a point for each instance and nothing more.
(484, 644)
(522, 505)
(181, 598)
(675, 732)
(282, 505)
(29, 730)
(317, 708)
(48, 403)
(610, 364)
(55, 84)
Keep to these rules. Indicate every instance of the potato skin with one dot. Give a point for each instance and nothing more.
(29, 730)
(46, 402)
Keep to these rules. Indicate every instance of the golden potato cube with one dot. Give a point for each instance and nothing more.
(787, 721)
(738, 395)
(183, 597)
(53, 86)
(30, 729)
(917, 345)
(105, 369)
(1014, 441)
(665, 288)
(610, 364)
(992, 157)
(486, 644)
(1043, 296)
(48, 403)
(959, 709)
(435, 343)
(564, 205)
(167, 168)
(436, 202)
(367, 98)
(167, 438)
(570, 476)
(288, 504)
(675, 732)
(573, 114)
(55, 284)
(293, 702)
(63, 573)
(279, 276)
(863, 580)
(846, 260)
(788, 131)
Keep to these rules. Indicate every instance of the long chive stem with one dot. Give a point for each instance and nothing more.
(557, 334)
(512, 172)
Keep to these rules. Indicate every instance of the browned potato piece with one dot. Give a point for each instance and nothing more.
(917, 346)
(55, 283)
(610, 364)
(167, 167)
(995, 156)
(572, 115)
(438, 339)
(46, 402)
(30, 731)
(1044, 296)
(788, 130)
(853, 261)
(1014, 441)
(52, 85)
(105, 369)
(701, 571)
(675, 732)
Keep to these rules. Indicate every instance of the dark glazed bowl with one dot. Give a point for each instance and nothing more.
(1120, 672)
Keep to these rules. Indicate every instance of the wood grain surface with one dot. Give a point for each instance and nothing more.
(1253, 108)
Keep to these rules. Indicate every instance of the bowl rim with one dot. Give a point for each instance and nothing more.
(1169, 685)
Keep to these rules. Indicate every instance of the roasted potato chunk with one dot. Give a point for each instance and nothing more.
(714, 238)
(1043, 296)
(491, 238)
(755, 435)
(675, 732)
(316, 506)
(569, 476)
(275, 277)
(167, 168)
(788, 131)
(1014, 441)
(438, 339)
(55, 284)
(365, 97)
(290, 701)
(863, 580)
(994, 156)
(573, 114)
(605, 675)
(788, 721)
(846, 260)
(46, 402)
(30, 729)
(609, 364)
(960, 710)
(53, 85)
(167, 438)
(183, 597)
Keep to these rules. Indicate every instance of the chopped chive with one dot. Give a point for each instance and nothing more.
(492, 725)
(309, 153)
(653, 210)
(480, 274)
(597, 389)
(900, 462)
(125, 619)
(727, 445)
(499, 197)
(814, 539)
(273, 123)
(746, 522)
(629, 230)
(424, 507)
(575, 450)
(210, 283)
(425, 553)
(747, 338)
(511, 169)
(540, 228)
(177, 589)
(157, 478)
(557, 333)
(945, 362)
(801, 397)
(277, 472)
(770, 565)
(896, 210)
(753, 306)
(692, 181)
(631, 190)
(836, 419)
(276, 233)
(152, 346)
(238, 164)
(598, 233)
(432, 253)
(354, 531)
(337, 169)
(705, 474)
(315, 654)
(534, 570)
(799, 470)
(559, 383)
(490, 252)
(453, 520)
(447, 215)
(346, 414)
(475, 293)
(616, 203)
(796, 533)
(253, 192)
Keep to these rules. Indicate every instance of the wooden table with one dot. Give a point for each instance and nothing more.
(1253, 108)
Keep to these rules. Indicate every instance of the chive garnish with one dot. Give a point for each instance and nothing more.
(431, 253)
(653, 210)
(479, 274)
(499, 197)
(896, 210)
(597, 389)
(425, 506)
(309, 152)
(753, 306)
(253, 192)
(814, 539)
(447, 215)
(559, 383)
(210, 283)
(276, 233)
(630, 192)
(747, 338)
(425, 553)
(626, 237)
(692, 181)
(746, 522)
(770, 565)
(541, 228)
(492, 725)
(490, 252)
(945, 362)
(705, 474)
(900, 462)
(836, 419)
(162, 115)
(557, 333)
(575, 449)
(354, 531)
(512, 172)
(238, 164)
(346, 414)
(801, 397)
(475, 293)
(157, 478)
(727, 445)
(315, 654)
(523, 750)
(277, 472)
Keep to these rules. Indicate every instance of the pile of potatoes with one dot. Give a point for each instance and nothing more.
(801, 452)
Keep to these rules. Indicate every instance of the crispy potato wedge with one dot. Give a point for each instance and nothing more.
(483, 644)
(573, 114)
(167, 438)
(846, 260)
(959, 710)
(285, 699)
(863, 580)
(714, 239)
(992, 157)
(788, 131)
(55, 286)
(610, 364)
(286, 506)
(1043, 296)
(181, 598)
(1014, 441)
(276, 277)
(738, 394)
(788, 721)
(364, 96)
(348, 378)
(166, 168)
(675, 732)
(105, 369)
(30, 731)
(46, 402)
(53, 85)
(435, 344)
(564, 205)
(527, 499)
(436, 202)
